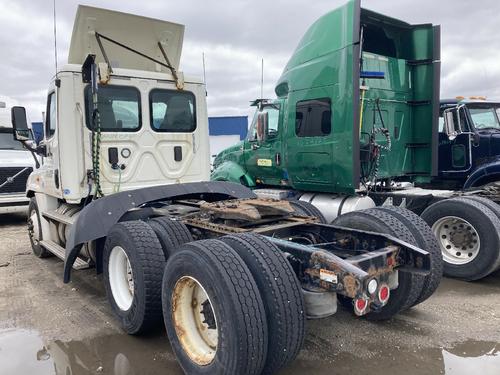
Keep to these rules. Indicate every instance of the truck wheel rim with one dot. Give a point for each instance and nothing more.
(121, 278)
(458, 239)
(33, 227)
(195, 321)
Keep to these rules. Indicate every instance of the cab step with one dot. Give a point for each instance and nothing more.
(56, 216)
(60, 252)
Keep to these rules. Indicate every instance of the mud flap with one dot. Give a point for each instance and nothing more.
(96, 219)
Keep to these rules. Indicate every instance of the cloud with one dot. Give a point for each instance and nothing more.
(235, 35)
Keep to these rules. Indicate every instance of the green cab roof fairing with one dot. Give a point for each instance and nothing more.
(327, 61)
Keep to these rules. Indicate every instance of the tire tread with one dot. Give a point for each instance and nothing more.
(241, 291)
(151, 261)
(170, 233)
(281, 293)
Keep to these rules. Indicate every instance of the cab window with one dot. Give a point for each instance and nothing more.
(484, 118)
(119, 108)
(313, 118)
(50, 120)
(172, 111)
(273, 114)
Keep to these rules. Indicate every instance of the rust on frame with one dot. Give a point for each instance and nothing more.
(247, 209)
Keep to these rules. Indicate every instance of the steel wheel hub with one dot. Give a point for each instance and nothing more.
(33, 227)
(194, 320)
(458, 239)
(121, 278)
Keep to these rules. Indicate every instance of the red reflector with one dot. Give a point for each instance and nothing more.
(383, 293)
(361, 305)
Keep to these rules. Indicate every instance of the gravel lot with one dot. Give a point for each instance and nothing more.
(47, 327)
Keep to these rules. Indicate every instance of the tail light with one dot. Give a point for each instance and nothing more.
(360, 306)
(384, 293)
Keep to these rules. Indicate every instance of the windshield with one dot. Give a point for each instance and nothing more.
(485, 117)
(7, 142)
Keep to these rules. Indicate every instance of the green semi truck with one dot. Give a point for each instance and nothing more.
(355, 125)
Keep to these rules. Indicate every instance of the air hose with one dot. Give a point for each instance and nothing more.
(96, 149)
(376, 148)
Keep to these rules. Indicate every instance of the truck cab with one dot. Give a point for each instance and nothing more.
(355, 105)
(117, 119)
(16, 164)
(469, 152)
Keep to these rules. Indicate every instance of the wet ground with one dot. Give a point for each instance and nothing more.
(47, 327)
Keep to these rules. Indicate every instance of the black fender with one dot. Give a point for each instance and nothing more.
(96, 219)
(484, 171)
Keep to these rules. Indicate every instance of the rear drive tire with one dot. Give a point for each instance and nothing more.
(410, 285)
(468, 233)
(213, 311)
(307, 209)
(425, 240)
(170, 233)
(281, 293)
(491, 205)
(35, 230)
(133, 263)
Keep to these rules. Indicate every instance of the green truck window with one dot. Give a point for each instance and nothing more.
(172, 111)
(313, 118)
(119, 108)
(273, 122)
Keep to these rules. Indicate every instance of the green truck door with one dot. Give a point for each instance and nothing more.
(309, 143)
(263, 154)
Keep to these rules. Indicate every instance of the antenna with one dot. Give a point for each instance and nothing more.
(262, 80)
(55, 36)
(204, 71)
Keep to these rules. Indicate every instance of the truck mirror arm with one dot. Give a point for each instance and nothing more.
(35, 149)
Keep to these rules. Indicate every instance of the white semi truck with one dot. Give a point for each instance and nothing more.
(16, 164)
(124, 188)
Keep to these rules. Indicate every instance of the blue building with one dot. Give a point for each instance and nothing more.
(37, 128)
(226, 131)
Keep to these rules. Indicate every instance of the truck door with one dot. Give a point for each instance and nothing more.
(50, 171)
(455, 152)
(263, 154)
(309, 143)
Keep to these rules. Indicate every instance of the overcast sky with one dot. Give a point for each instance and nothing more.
(235, 35)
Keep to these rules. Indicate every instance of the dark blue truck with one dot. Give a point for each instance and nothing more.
(469, 143)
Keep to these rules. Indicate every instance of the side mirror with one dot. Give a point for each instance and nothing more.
(20, 124)
(262, 126)
(452, 124)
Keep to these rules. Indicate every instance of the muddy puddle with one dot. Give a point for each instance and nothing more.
(24, 352)
(467, 358)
